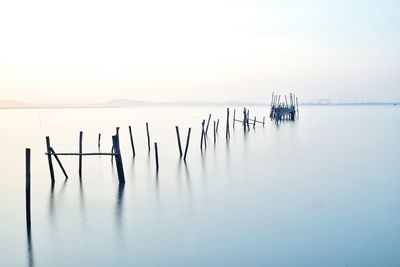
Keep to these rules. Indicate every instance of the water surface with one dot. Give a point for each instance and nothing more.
(322, 191)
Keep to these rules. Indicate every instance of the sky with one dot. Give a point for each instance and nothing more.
(81, 51)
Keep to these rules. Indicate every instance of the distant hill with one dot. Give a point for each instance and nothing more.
(14, 104)
(121, 103)
(126, 103)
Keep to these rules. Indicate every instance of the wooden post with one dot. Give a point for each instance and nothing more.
(148, 135)
(273, 100)
(215, 138)
(156, 153)
(132, 144)
(244, 117)
(202, 134)
(247, 119)
(49, 159)
(254, 122)
(179, 140)
(80, 151)
(59, 162)
(216, 130)
(263, 121)
(227, 124)
(208, 123)
(234, 118)
(118, 159)
(99, 140)
(187, 144)
(28, 187)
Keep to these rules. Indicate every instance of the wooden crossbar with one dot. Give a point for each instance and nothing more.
(81, 154)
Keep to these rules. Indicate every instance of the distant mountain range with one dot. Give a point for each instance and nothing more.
(126, 103)
(123, 103)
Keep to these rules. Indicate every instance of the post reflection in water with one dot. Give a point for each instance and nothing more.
(119, 207)
(188, 181)
(51, 203)
(82, 200)
(31, 262)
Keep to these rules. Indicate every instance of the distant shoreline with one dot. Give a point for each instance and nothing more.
(182, 104)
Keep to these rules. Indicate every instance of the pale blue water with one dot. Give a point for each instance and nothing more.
(322, 191)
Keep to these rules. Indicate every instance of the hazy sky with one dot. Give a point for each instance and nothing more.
(91, 50)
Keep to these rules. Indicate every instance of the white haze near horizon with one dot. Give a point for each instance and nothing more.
(88, 51)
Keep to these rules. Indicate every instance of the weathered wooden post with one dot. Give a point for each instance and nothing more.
(49, 159)
(248, 119)
(273, 100)
(202, 134)
(208, 123)
(179, 140)
(148, 135)
(227, 124)
(28, 187)
(215, 138)
(98, 141)
(216, 130)
(187, 144)
(244, 117)
(80, 152)
(118, 159)
(59, 162)
(234, 118)
(132, 144)
(156, 154)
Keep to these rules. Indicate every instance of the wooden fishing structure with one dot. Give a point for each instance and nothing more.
(280, 110)
(116, 153)
(284, 110)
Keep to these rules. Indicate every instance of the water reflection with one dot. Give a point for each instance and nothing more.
(82, 200)
(31, 262)
(188, 180)
(119, 207)
(51, 203)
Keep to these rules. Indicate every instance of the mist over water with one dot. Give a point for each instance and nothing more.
(320, 191)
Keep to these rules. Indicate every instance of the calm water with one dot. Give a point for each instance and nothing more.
(323, 191)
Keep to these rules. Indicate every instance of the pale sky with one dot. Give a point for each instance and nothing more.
(89, 50)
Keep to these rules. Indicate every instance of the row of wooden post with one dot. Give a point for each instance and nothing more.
(116, 152)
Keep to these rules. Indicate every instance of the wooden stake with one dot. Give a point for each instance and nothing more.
(234, 117)
(208, 123)
(216, 130)
(227, 124)
(132, 144)
(28, 187)
(263, 121)
(59, 162)
(148, 135)
(80, 151)
(179, 140)
(254, 123)
(272, 100)
(98, 142)
(215, 138)
(49, 159)
(187, 144)
(202, 134)
(156, 153)
(118, 159)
